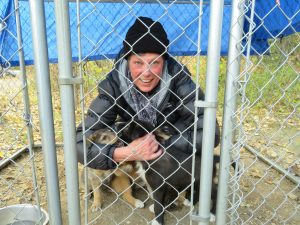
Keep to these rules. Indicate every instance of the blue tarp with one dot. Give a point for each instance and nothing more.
(104, 25)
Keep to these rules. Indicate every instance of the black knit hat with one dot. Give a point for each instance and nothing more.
(145, 35)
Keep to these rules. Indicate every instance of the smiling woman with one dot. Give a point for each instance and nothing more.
(146, 84)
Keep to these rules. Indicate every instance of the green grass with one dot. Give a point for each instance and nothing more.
(272, 81)
(279, 90)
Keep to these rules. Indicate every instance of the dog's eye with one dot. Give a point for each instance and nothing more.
(104, 138)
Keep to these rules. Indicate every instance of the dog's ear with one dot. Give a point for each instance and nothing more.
(120, 125)
(103, 136)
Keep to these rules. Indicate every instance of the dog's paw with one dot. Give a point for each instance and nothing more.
(151, 208)
(96, 207)
(155, 222)
(212, 218)
(186, 202)
(139, 204)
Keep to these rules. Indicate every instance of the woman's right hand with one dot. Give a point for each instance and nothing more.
(143, 148)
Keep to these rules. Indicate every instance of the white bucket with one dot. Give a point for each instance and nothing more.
(23, 214)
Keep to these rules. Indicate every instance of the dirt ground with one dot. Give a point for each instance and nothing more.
(114, 211)
(264, 196)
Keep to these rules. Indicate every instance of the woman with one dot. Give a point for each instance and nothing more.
(147, 84)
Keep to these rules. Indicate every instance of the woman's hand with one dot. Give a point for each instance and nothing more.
(143, 148)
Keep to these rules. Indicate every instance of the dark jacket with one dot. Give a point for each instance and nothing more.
(176, 112)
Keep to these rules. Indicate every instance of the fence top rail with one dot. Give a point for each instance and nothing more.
(205, 2)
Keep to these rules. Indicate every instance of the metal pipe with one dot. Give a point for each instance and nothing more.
(82, 103)
(280, 169)
(233, 69)
(66, 82)
(24, 76)
(211, 96)
(37, 15)
(27, 113)
(196, 97)
(18, 153)
(207, 2)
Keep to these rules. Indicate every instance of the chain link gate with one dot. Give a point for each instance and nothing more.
(94, 72)
(261, 117)
(260, 122)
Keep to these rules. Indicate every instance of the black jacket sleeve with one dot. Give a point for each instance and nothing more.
(101, 114)
(185, 89)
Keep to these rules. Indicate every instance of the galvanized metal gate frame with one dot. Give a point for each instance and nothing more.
(66, 81)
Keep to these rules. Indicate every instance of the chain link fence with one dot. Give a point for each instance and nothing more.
(18, 178)
(266, 188)
(265, 119)
(23, 190)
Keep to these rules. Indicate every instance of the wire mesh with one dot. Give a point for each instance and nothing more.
(266, 189)
(18, 173)
(94, 72)
(257, 116)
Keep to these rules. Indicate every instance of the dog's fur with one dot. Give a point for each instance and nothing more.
(170, 175)
(119, 179)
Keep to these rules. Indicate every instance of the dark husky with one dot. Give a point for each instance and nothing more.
(169, 175)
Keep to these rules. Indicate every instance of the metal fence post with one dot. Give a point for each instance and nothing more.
(211, 95)
(37, 15)
(82, 105)
(197, 94)
(233, 70)
(27, 113)
(66, 81)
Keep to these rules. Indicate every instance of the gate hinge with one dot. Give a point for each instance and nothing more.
(205, 104)
(70, 81)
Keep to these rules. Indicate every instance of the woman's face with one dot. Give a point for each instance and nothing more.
(146, 70)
